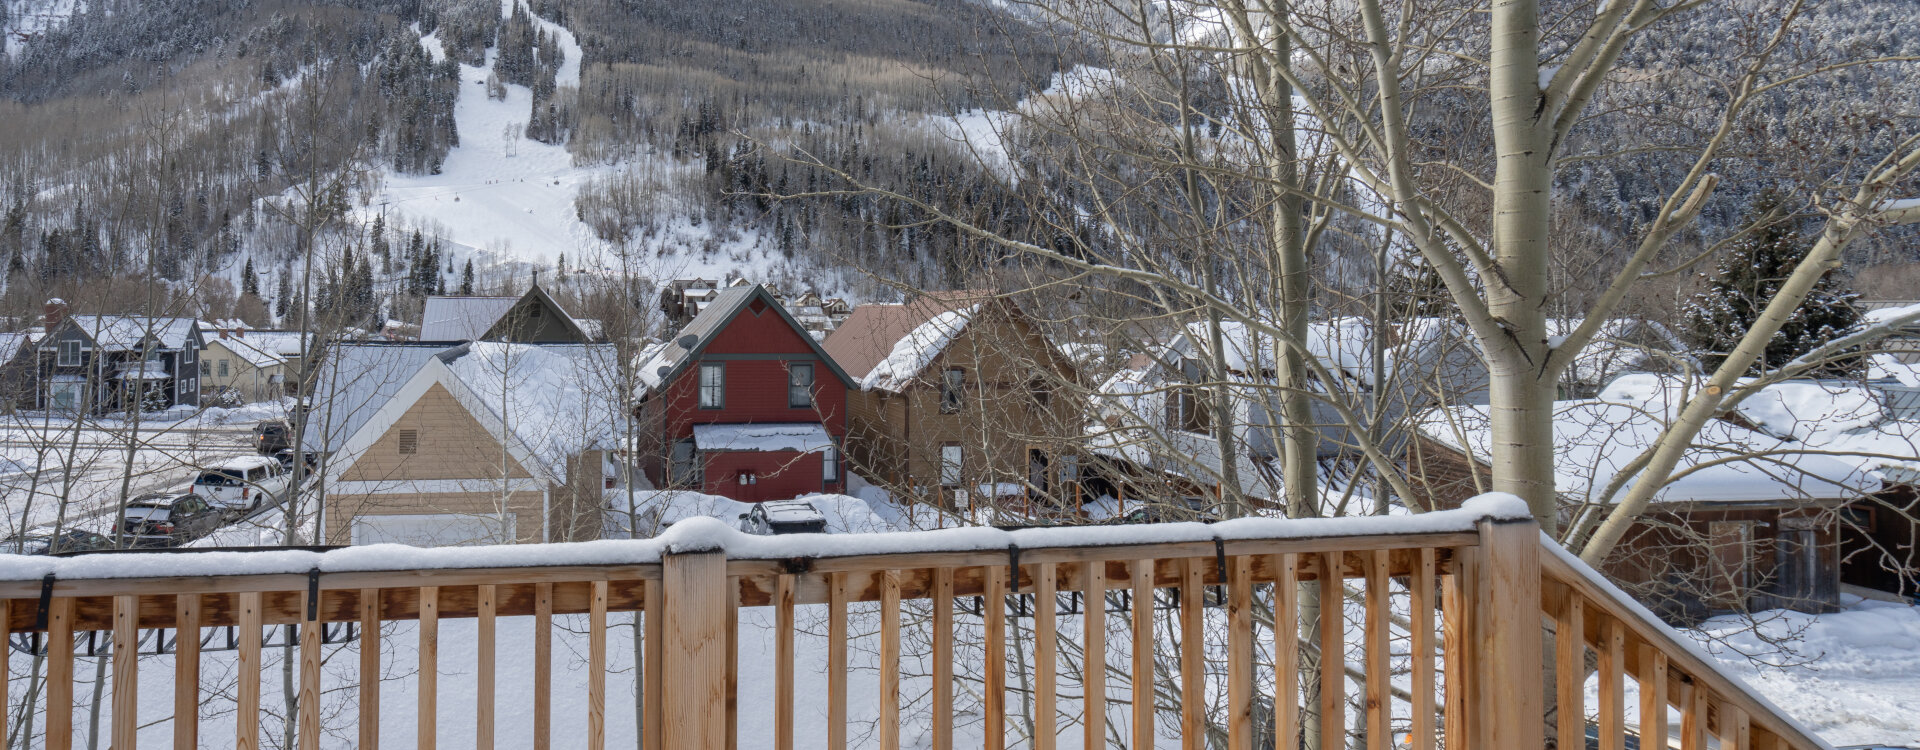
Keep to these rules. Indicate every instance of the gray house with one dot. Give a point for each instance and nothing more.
(107, 363)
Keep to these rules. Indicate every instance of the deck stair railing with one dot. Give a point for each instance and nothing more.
(1457, 611)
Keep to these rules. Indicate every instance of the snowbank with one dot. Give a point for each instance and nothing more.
(704, 533)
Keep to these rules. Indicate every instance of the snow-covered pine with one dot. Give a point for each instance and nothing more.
(1748, 276)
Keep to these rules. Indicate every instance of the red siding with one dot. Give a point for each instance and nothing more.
(756, 393)
(778, 476)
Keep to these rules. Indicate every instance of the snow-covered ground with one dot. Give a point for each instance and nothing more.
(1853, 676)
(42, 460)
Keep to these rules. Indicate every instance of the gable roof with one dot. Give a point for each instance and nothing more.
(354, 380)
(263, 349)
(1594, 441)
(478, 318)
(12, 343)
(922, 326)
(125, 333)
(662, 362)
(545, 402)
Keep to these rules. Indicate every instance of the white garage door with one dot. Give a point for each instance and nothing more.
(434, 530)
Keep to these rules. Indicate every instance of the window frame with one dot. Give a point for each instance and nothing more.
(222, 368)
(61, 359)
(958, 465)
(719, 386)
(953, 395)
(793, 388)
(829, 466)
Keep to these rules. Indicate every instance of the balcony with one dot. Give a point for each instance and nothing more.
(1458, 627)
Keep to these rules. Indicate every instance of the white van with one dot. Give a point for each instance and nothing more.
(239, 484)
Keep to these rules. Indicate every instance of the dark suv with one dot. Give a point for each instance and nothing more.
(169, 519)
(42, 543)
(272, 436)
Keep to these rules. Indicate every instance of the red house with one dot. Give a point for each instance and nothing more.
(745, 404)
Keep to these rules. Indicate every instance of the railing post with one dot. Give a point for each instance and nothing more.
(1507, 636)
(696, 650)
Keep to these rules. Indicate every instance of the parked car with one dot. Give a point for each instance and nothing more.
(1163, 513)
(238, 484)
(41, 542)
(285, 457)
(169, 519)
(272, 436)
(783, 517)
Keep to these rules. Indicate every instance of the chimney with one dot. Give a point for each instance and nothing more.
(53, 312)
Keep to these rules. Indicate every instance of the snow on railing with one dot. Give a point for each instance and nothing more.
(1177, 605)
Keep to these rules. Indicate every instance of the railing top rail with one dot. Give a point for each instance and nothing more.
(702, 534)
(1682, 653)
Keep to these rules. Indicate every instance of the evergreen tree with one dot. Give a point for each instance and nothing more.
(249, 283)
(283, 296)
(560, 268)
(466, 278)
(1749, 276)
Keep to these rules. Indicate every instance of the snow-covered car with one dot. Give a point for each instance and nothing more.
(169, 519)
(41, 542)
(239, 484)
(783, 517)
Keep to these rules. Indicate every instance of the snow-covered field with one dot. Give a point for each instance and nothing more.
(1853, 676)
(43, 460)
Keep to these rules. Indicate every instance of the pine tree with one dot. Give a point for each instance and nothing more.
(560, 269)
(1749, 276)
(466, 278)
(249, 283)
(283, 296)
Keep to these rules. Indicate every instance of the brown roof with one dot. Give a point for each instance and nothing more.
(868, 335)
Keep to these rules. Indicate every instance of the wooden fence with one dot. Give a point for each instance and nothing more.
(1484, 606)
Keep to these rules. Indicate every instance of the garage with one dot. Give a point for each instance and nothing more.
(435, 530)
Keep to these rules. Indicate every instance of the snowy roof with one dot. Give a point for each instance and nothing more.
(124, 333)
(355, 379)
(799, 437)
(263, 349)
(1621, 345)
(886, 346)
(1596, 440)
(660, 362)
(12, 343)
(1848, 420)
(1879, 315)
(143, 370)
(557, 400)
(461, 318)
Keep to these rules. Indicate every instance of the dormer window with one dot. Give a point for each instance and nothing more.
(69, 354)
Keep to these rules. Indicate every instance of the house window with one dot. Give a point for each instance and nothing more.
(745, 478)
(1186, 402)
(950, 465)
(153, 353)
(1041, 392)
(685, 471)
(223, 368)
(69, 354)
(830, 465)
(409, 442)
(953, 384)
(800, 386)
(713, 385)
(206, 367)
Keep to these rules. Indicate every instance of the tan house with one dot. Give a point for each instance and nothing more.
(961, 398)
(481, 443)
(255, 365)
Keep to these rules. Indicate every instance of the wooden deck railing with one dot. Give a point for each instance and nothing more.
(1476, 601)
